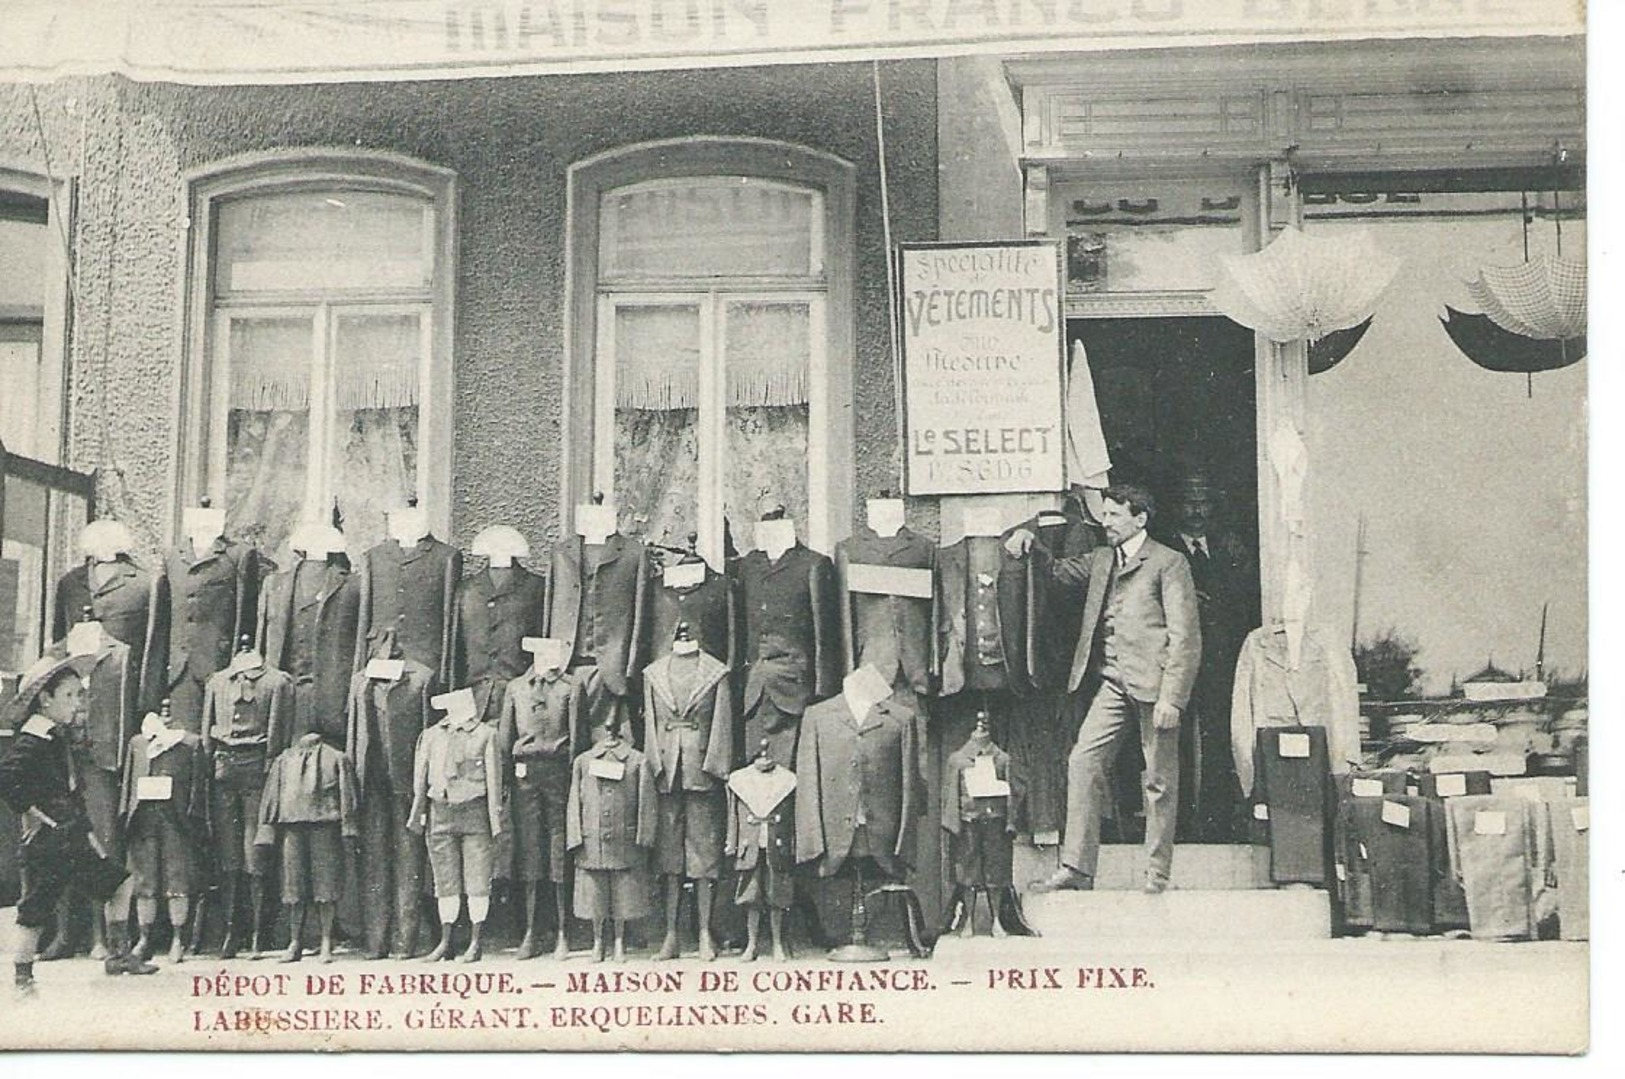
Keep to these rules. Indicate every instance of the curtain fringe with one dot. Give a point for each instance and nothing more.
(357, 387)
(770, 384)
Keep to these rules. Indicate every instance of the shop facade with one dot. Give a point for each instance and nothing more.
(503, 296)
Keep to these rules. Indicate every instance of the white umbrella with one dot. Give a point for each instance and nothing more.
(1544, 298)
(1301, 288)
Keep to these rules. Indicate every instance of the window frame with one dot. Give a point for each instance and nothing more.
(831, 431)
(200, 389)
(58, 194)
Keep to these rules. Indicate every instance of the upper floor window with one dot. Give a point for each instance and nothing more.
(326, 362)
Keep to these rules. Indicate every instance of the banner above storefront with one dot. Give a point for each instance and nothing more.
(287, 41)
(982, 332)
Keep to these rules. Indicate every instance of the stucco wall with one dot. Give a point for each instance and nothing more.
(510, 142)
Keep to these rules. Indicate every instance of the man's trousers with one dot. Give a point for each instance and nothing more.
(1111, 716)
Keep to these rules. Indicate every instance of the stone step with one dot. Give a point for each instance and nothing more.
(1234, 914)
(1197, 866)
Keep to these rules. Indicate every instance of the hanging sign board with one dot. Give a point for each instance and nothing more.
(982, 333)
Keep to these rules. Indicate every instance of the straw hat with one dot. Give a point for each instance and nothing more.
(34, 680)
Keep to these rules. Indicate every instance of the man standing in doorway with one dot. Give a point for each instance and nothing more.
(1141, 642)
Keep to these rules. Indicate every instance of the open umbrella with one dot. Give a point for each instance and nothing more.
(1496, 349)
(1334, 348)
(1303, 288)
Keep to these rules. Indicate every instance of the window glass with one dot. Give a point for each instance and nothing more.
(373, 459)
(767, 354)
(267, 426)
(718, 226)
(307, 240)
(657, 447)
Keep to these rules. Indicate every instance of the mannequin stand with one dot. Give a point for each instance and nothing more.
(858, 949)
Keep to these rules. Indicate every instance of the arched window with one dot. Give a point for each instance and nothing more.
(321, 343)
(712, 345)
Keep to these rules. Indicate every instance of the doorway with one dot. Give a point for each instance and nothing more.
(1178, 409)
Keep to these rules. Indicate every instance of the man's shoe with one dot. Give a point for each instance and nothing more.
(1064, 879)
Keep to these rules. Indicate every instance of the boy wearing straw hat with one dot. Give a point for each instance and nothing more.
(38, 780)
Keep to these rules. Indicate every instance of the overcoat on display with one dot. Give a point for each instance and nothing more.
(133, 607)
(616, 588)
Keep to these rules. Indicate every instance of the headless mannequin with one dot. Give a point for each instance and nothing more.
(551, 656)
(459, 706)
(246, 659)
(764, 762)
(686, 651)
(979, 744)
(612, 738)
(179, 906)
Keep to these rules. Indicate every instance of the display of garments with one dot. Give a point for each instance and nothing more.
(790, 649)
(1498, 852)
(307, 627)
(983, 632)
(132, 604)
(1270, 692)
(1141, 627)
(1350, 864)
(1390, 839)
(214, 600)
(493, 612)
(612, 820)
(409, 590)
(895, 634)
(981, 828)
(1568, 823)
(761, 835)
(708, 608)
(541, 716)
(165, 806)
(310, 782)
(1293, 785)
(859, 791)
(598, 602)
(249, 711)
(111, 709)
(1449, 901)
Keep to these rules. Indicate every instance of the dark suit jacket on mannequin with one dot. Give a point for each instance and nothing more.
(895, 634)
(214, 600)
(494, 611)
(709, 608)
(617, 590)
(327, 625)
(790, 647)
(410, 590)
(132, 605)
(963, 600)
(849, 768)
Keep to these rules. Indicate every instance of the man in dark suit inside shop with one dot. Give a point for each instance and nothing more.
(1141, 641)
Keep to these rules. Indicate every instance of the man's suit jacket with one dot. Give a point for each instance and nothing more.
(133, 607)
(617, 587)
(710, 610)
(848, 768)
(894, 633)
(392, 714)
(956, 598)
(494, 611)
(214, 600)
(1156, 624)
(335, 620)
(410, 590)
(791, 631)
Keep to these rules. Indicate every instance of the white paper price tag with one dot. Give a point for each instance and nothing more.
(684, 575)
(1489, 822)
(1412, 790)
(386, 670)
(1294, 746)
(154, 788)
(1342, 871)
(1396, 813)
(982, 780)
(606, 768)
(519, 770)
(1365, 855)
(1581, 815)
(501, 561)
(1261, 812)
(1366, 788)
(1450, 786)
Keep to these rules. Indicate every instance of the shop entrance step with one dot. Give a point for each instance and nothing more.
(1230, 914)
(1197, 866)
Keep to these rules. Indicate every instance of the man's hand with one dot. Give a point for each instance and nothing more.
(1165, 717)
(1019, 543)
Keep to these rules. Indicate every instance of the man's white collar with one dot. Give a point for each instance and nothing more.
(1131, 546)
